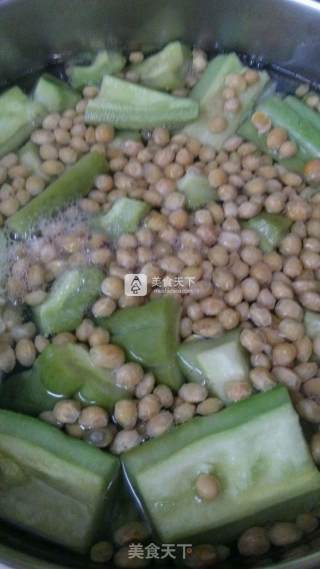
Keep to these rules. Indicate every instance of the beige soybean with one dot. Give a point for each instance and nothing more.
(148, 407)
(253, 341)
(123, 559)
(64, 338)
(291, 329)
(145, 386)
(129, 376)
(207, 487)
(207, 327)
(304, 349)
(49, 417)
(308, 523)
(159, 424)
(284, 354)
(125, 440)
(67, 411)
(100, 438)
(183, 412)
(209, 406)
(129, 532)
(84, 330)
(287, 377)
(25, 352)
(254, 542)
(284, 533)
(74, 430)
(312, 388)
(103, 307)
(165, 396)
(101, 552)
(287, 308)
(306, 370)
(309, 410)
(238, 390)
(262, 379)
(93, 417)
(107, 356)
(7, 358)
(126, 413)
(193, 392)
(204, 556)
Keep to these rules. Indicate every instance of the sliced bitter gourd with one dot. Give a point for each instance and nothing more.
(296, 163)
(303, 110)
(24, 392)
(300, 129)
(271, 227)
(124, 136)
(256, 450)
(209, 93)
(124, 217)
(68, 371)
(29, 156)
(76, 182)
(104, 63)
(130, 106)
(55, 95)
(301, 124)
(149, 334)
(166, 69)
(68, 300)
(60, 372)
(196, 188)
(44, 472)
(215, 362)
(19, 116)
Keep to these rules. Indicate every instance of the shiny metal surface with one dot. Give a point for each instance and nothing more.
(32, 32)
(282, 31)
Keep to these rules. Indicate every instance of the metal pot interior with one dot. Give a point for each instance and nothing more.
(280, 34)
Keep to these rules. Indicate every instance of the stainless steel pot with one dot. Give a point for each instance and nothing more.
(285, 33)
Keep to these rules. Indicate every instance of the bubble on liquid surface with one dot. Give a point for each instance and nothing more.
(20, 255)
